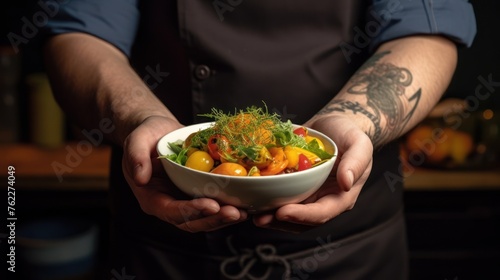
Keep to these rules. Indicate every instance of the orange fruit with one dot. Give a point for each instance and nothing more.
(416, 136)
(433, 143)
(461, 146)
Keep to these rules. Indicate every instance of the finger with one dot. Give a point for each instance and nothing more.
(201, 214)
(181, 211)
(228, 215)
(312, 214)
(155, 201)
(270, 222)
(355, 162)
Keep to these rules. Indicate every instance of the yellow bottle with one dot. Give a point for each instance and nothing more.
(46, 117)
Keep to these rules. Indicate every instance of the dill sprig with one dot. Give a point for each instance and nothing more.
(244, 128)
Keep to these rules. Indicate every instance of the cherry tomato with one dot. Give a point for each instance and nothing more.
(201, 161)
(300, 131)
(278, 164)
(304, 163)
(230, 168)
(216, 145)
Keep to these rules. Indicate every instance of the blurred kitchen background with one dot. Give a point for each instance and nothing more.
(452, 166)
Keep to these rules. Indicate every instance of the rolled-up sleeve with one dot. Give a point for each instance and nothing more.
(114, 21)
(398, 18)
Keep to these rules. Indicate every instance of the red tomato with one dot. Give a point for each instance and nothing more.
(304, 163)
(216, 144)
(300, 131)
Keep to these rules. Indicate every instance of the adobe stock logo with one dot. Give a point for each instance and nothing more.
(363, 38)
(75, 156)
(30, 28)
(221, 7)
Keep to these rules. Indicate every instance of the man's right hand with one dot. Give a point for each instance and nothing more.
(153, 190)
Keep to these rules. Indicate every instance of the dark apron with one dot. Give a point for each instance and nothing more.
(369, 240)
(376, 254)
(287, 54)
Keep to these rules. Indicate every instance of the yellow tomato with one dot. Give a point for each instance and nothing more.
(200, 160)
(191, 150)
(230, 168)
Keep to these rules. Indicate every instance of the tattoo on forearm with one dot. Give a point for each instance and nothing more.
(354, 107)
(387, 104)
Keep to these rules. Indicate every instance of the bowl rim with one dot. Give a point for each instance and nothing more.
(207, 124)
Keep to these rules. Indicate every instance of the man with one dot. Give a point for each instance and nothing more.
(362, 73)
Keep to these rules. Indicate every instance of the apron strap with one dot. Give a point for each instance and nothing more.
(262, 254)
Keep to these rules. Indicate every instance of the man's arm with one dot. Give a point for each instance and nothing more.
(93, 80)
(397, 87)
(394, 90)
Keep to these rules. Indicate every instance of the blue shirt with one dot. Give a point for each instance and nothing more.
(116, 20)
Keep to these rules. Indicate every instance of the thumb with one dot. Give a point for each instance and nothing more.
(137, 160)
(355, 163)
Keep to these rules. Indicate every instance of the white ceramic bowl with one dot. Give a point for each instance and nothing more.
(255, 194)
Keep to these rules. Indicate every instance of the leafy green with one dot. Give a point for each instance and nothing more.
(176, 146)
(179, 156)
(249, 152)
(283, 132)
(314, 147)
